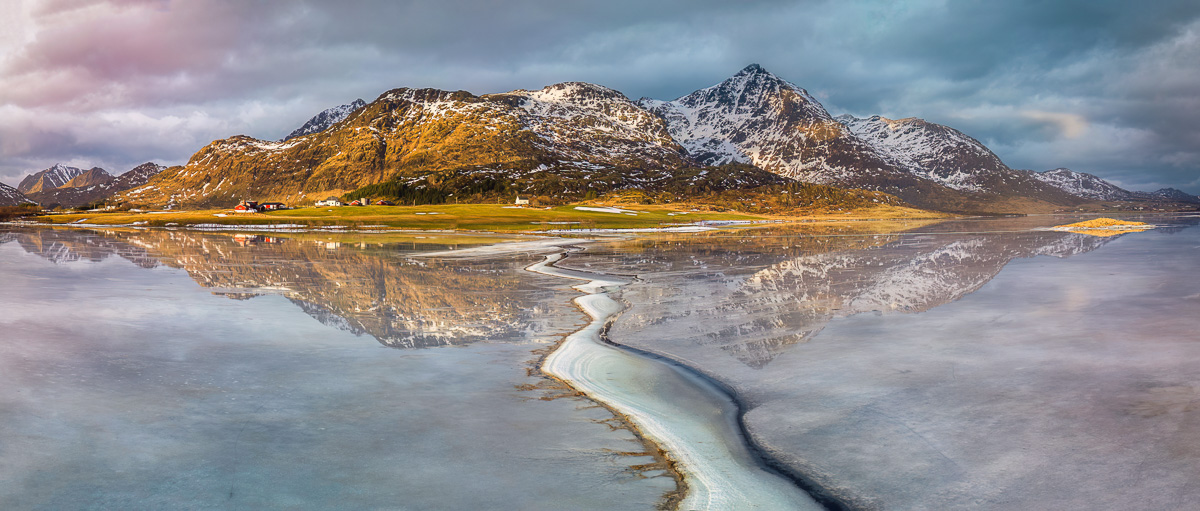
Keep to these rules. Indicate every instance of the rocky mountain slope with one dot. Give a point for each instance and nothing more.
(325, 119)
(950, 158)
(10, 196)
(93, 176)
(48, 179)
(563, 139)
(756, 117)
(1082, 184)
(95, 185)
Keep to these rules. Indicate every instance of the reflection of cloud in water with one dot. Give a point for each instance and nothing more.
(372, 290)
(757, 316)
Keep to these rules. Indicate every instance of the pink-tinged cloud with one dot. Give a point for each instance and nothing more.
(94, 54)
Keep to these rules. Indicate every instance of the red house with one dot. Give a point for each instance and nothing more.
(246, 207)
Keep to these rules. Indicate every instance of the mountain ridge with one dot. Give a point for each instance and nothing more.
(92, 186)
(572, 138)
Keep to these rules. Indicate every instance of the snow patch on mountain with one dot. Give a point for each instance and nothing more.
(1082, 184)
(48, 179)
(931, 151)
(1169, 194)
(10, 196)
(589, 120)
(325, 119)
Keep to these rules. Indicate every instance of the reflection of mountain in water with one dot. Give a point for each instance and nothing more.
(63, 246)
(401, 302)
(756, 316)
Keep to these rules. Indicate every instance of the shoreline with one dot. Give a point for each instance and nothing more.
(697, 425)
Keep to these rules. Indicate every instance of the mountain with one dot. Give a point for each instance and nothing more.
(90, 186)
(10, 196)
(950, 158)
(93, 176)
(48, 179)
(563, 139)
(1169, 194)
(759, 118)
(1082, 184)
(1092, 187)
(325, 119)
(572, 138)
(756, 117)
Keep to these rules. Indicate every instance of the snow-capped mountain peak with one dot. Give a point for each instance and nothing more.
(325, 119)
(48, 179)
(755, 117)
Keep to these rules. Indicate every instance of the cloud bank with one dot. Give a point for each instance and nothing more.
(1097, 86)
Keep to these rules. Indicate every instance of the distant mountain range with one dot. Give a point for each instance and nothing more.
(569, 139)
(61, 185)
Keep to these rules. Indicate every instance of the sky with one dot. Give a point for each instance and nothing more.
(1099, 86)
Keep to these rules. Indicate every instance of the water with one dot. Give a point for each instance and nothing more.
(945, 369)
(971, 364)
(286, 379)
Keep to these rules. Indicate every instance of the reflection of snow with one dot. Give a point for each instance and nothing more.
(758, 316)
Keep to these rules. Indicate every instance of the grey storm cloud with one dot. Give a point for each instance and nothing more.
(1097, 86)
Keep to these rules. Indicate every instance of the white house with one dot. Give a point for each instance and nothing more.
(521, 202)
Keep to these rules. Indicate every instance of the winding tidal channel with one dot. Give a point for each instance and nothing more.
(688, 416)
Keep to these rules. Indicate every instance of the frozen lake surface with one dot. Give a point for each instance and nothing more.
(964, 365)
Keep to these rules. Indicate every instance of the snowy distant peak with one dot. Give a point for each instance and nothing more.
(48, 179)
(1082, 184)
(325, 119)
(138, 175)
(1173, 194)
(145, 169)
(573, 93)
(10, 196)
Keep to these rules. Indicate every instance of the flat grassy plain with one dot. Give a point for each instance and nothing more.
(466, 217)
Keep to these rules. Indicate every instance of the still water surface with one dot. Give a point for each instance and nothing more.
(974, 364)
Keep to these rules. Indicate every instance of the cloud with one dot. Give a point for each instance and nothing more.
(1044, 83)
(1069, 125)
